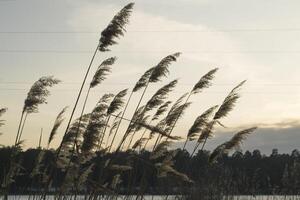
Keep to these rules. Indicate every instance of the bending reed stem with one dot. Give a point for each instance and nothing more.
(120, 121)
(19, 127)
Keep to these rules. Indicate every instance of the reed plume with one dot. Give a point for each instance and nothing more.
(204, 82)
(161, 132)
(161, 110)
(115, 28)
(199, 125)
(226, 106)
(138, 121)
(96, 125)
(229, 102)
(115, 105)
(170, 119)
(73, 135)
(166, 167)
(100, 75)
(138, 125)
(161, 69)
(69, 155)
(160, 125)
(158, 98)
(115, 123)
(206, 132)
(103, 70)
(152, 75)
(139, 114)
(58, 121)
(141, 123)
(37, 95)
(145, 125)
(173, 112)
(71, 140)
(142, 82)
(113, 127)
(176, 114)
(234, 142)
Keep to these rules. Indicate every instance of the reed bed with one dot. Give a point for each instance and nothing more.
(90, 138)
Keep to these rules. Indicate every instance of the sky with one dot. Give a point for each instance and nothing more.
(253, 40)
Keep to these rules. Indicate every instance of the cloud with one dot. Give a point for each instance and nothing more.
(151, 37)
(156, 29)
(146, 43)
(283, 135)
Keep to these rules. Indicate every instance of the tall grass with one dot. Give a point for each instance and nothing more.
(74, 160)
(36, 96)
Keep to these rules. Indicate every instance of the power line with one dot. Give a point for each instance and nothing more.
(177, 91)
(152, 52)
(219, 84)
(162, 31)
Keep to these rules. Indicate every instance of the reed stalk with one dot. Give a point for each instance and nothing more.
(122, 116)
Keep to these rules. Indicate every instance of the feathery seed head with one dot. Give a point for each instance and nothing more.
(161, 69)
(38, 93)
(58, 121)
(229, 102)
(204, 82)
(103, 70)
(143, 81)
(117, 102)
(158, 98)
(115, 28)
(161, 110)
(200, 123)
(234, 142)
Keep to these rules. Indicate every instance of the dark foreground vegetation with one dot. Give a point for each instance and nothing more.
(246, 173)
(96, 156)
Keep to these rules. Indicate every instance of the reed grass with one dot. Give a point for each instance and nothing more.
(75, 157)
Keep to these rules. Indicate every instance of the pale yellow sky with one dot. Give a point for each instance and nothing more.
(257, 41)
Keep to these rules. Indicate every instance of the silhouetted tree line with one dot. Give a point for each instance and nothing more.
(239, 173)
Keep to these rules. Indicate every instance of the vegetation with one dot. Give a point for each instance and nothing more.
(90, 161)
(240, 173)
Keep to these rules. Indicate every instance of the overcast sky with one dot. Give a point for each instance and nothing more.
(254, 40)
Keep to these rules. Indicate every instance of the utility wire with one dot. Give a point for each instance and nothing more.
(162, 31)
(177, 91)
(153, 52)
(187, 84)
